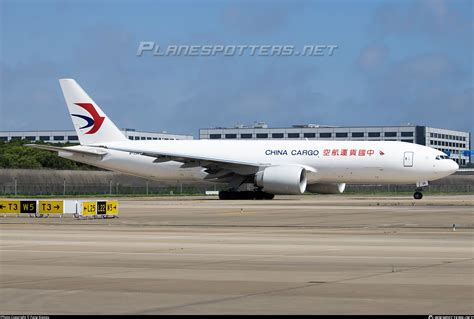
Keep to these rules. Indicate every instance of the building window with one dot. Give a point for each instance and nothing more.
(73, 138)
(15, 138)
(341, 135)
(45, 138)
(293, 135)
(3, 138)
(246, 135)
(215, 136)
(231, 136)
(374, 134)
(408, 141)
(390, 134)
(130, 137)
(407, 134)
(309, 135)
(325, 135)
(58, 138)
(358, 134)
(155, 138)
(148, 138)
(30, 138)
(137, 138)
(142, 138)
(262, 135)
(277, 135)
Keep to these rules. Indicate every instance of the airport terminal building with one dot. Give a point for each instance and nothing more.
(71, 136)
(452, 142)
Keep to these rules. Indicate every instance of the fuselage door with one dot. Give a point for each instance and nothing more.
(408, 159)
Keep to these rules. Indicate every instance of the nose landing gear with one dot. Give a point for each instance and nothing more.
(419, 188)
(418, 194)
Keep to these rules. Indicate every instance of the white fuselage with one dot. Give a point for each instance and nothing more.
(330, 161)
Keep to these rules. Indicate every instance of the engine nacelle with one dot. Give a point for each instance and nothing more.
(326, 188)
(282, 180)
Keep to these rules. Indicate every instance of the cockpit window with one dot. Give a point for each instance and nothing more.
(440, 157)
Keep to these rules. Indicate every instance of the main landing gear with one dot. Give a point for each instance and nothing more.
(245, 195)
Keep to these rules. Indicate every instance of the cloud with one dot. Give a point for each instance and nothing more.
(283, 94)
(431, 89)
(417, 68)
(427, 82)
(373, 57)
(261, 18)
(27, 99)
(436, 18)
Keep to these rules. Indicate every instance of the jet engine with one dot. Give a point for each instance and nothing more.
(326, 188)
(282, 179)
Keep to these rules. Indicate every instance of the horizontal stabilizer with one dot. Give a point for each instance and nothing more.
(71, 149)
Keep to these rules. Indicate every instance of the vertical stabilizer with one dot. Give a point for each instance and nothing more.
(91, 123)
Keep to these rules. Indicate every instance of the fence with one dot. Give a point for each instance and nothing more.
(432, 188)
(52, 182)
(111, 188)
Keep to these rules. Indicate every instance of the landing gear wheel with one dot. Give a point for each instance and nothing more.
(224, 195)
(229, 195)
(259, 195)
(263, 195)
(418, 195)
(269, 196)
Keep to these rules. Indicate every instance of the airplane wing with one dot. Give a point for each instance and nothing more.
(71, 149)
(217, 168)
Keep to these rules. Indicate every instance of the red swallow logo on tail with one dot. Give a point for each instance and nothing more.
(94, 122)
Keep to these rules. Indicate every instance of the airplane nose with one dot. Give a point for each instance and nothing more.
(452, 166)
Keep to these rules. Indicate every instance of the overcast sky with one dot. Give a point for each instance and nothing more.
(397, 62)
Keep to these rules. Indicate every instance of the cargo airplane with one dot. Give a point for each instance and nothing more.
(262, 167)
